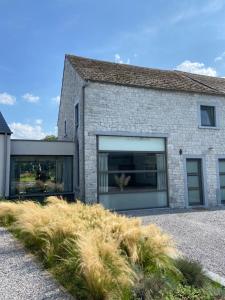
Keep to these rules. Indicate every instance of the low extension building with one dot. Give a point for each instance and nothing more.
(139, 138)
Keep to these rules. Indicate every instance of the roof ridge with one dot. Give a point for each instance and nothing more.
(146, 77)
(186, 74)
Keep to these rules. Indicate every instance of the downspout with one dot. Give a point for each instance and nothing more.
(83, 136)
(5, 164)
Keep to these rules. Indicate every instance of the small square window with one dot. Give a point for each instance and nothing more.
(208, 116)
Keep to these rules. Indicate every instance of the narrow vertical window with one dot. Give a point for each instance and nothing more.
(65, 128)
(77, 115)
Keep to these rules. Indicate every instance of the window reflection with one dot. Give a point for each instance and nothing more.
(37, 175)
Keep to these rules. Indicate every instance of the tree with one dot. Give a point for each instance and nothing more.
(50, 138)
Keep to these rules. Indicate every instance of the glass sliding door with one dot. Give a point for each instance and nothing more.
(132, 172)
(222, 180)
(194, 181)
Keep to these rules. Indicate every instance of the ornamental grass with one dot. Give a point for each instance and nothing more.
(96, 254)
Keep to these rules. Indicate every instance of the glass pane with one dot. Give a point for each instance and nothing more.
(37, 175)
(222, 165)
(134, 200)
(207, 116)
(122, 182)
(119, 161)
(222, 196)
(193, 181)
(222, 180)
(192, 166)
(120, 143)
(194, 197)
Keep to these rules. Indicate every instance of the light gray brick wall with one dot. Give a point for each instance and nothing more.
(71, 94)
(119, 108)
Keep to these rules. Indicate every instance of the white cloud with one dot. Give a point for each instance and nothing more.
(31, 98)
(220, 57)
(196, 68)
(56, 99)
(27, 131)
(119, 60)
(7, 99)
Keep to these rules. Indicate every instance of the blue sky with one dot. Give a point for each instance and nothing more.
(35, 35)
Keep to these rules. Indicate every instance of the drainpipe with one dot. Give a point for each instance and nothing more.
(5, 164)
(83, 137)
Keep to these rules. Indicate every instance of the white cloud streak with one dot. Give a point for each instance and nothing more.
(31, 98)
(7, 99)
(209, 8)
(196, 68)
(220, 57)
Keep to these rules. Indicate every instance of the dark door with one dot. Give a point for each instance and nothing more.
(194, 181)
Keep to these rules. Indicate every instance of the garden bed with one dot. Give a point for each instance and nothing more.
(100, 255)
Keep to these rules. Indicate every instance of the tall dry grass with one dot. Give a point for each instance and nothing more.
(95, 253)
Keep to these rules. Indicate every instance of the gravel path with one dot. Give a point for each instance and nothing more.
(200, 235)
(21, 278)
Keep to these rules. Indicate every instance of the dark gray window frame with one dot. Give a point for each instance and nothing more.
(216, 107)
(212, 110)
(160, 136)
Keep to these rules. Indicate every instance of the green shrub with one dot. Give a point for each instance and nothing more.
(192, 272)
(149, 287)
(191, 293)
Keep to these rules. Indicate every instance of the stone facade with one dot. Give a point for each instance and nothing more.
(114, 108)
(71, 94)
(119, 108)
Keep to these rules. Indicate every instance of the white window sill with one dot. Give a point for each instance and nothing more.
(209, 127)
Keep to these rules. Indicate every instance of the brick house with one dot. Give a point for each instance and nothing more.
(143, 137)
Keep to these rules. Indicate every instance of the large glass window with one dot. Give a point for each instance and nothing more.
(208, 117)
(132, 179)
(41, 174)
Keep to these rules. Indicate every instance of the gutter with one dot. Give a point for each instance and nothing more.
(86, 83)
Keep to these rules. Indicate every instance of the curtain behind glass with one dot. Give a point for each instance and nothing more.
(207, 115)
(161, 176)
(103, 177)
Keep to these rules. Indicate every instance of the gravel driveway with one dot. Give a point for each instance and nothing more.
(21, 278)
(200, 235)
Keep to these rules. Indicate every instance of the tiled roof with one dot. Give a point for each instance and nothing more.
(4, 128)
(128, 75)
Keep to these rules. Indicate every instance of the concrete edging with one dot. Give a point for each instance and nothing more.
(215, 277)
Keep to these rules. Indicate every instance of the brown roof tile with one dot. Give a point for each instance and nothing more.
(108, 72)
